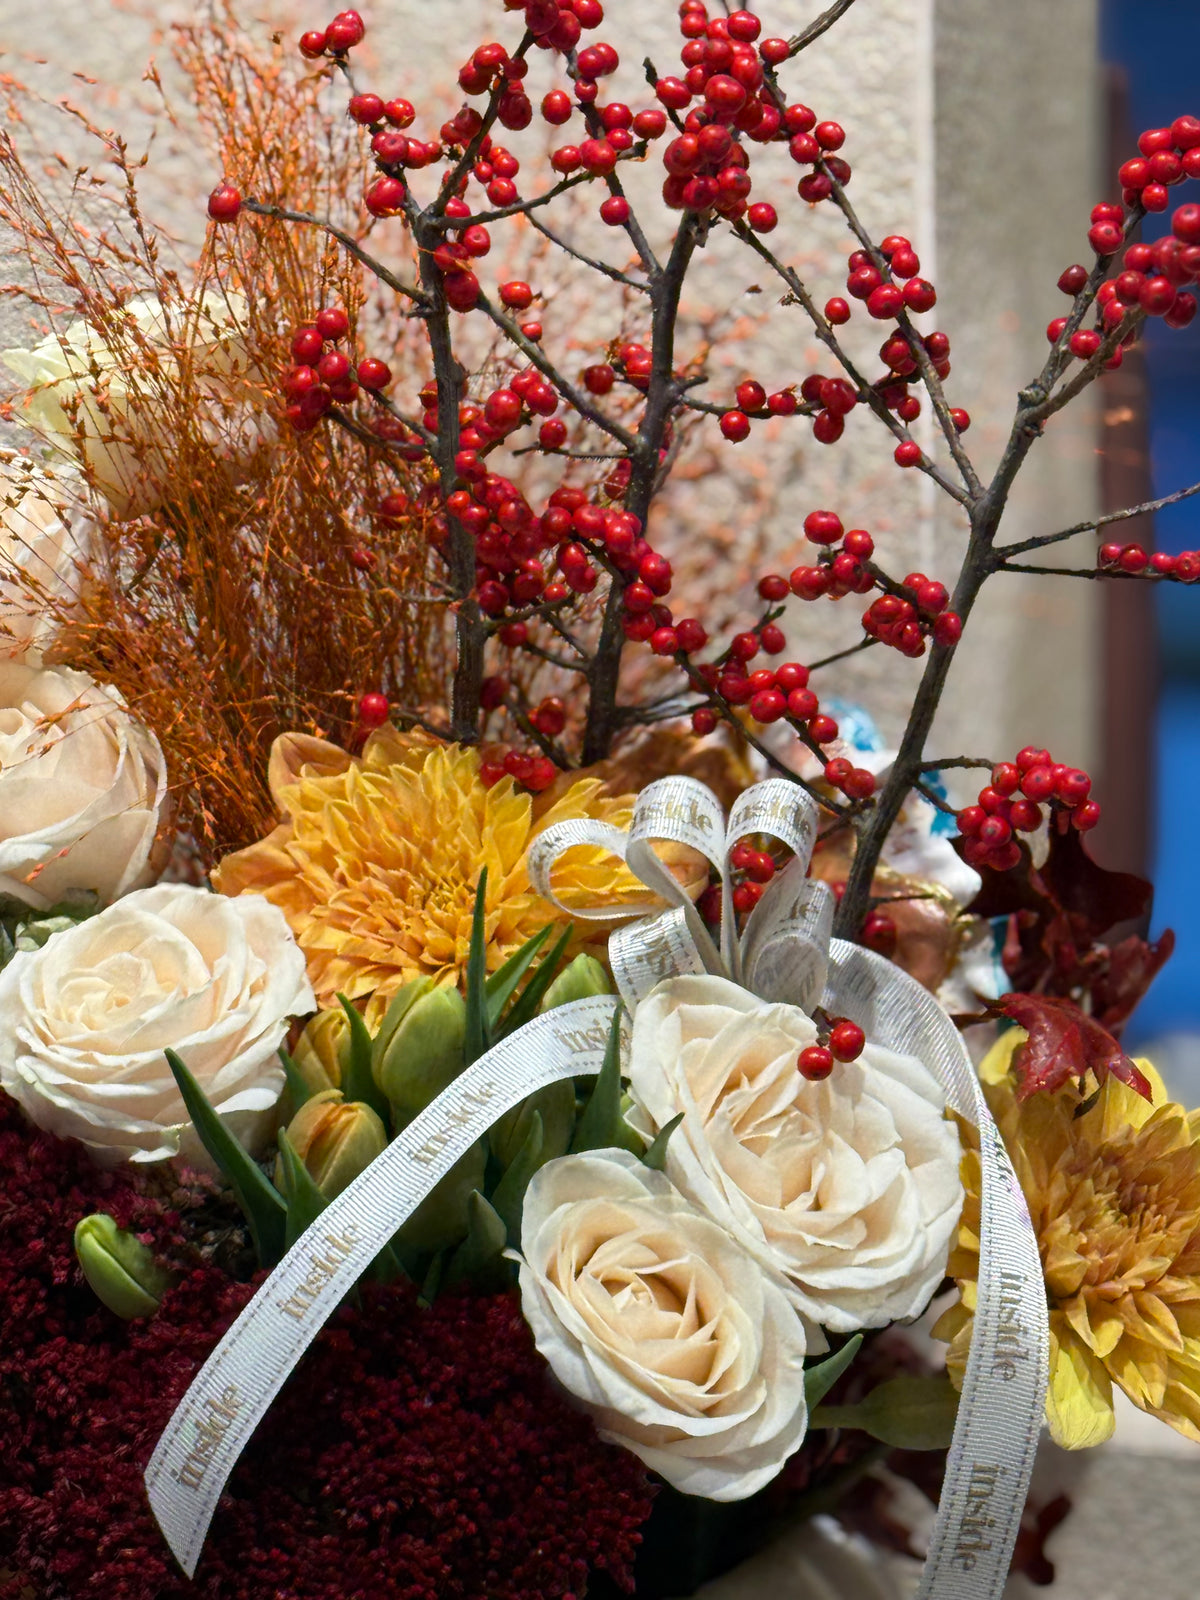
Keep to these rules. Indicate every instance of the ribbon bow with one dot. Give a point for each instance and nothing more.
(782, 953)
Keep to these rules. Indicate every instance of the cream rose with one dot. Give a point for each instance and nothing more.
(84, 389)
(48, 542)
(84, 1021)
(82, 786)
(849, 1188)
(675, 1340)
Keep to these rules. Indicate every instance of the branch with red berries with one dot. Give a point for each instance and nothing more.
(558, 583)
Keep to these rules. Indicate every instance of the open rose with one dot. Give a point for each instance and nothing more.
(82, 785)
(47, 539)
(679, 1345)
(848, 1188)
(84, 1021)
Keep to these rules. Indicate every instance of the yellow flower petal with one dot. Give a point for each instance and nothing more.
(1079, 1407)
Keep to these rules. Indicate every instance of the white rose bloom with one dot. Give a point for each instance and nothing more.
(84, 1021)
(82, 785)
(84, 389)
(48, 543)
(679, 1345)
(848, 1188)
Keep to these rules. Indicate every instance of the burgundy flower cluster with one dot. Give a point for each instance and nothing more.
(416, 1455)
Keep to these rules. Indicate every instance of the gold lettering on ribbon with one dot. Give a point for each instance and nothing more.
(338, 1246)
(1011, 1345)
(974, 1526)
(460, 1116)
(213, 1423)
(688, 811)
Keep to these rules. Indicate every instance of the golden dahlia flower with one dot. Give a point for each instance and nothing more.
(1114, 1193)
(376, 862)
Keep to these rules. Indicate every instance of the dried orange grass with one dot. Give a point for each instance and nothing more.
(235, 612)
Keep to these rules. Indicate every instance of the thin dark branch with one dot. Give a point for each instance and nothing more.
(840, 655)
(555, 660)
(346, 240)
(819, 26)
(1093, 525)
(934, 799)
(1086, 572)
(614, 273)
(956, 761)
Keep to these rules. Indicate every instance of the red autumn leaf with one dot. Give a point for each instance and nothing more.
(1130, 970)
(1064, 1043)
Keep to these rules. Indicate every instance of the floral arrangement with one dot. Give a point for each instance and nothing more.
(494, 1055)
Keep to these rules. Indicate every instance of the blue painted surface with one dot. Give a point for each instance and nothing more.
(1157, 43)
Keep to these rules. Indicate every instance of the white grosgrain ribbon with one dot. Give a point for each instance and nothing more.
(234, 1389)
(781, 955)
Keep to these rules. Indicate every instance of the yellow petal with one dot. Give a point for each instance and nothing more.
(1079, 1407)
(994, 1067)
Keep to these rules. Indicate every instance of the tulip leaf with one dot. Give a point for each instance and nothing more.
(261, 1203)
(305, 1202)
(478, 1034)
(909, 1413)
(358, 1081)
(502, 984)
(432, 1281)
(820, 1379)
(601, 1125)
(525, 1007)
(478, 1260)
(656, 1153)
(508, 1197)
(297, 1088)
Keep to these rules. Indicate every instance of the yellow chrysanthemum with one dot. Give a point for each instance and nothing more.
(376, 862)
(1114, 1193)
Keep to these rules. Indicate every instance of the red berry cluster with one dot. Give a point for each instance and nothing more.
(752, 869)
(831, 400)
(895, 620)
(345, 31)
(1133, 559)
(529, 768)
(839, 1039)
(1013, 803)
(323, 375)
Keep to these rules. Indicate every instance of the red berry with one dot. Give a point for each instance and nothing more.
(762, 217)
(373, 373)
(691, 635)
(312, 43)
(1073, 280)
(815, 1063)
(516, 294)
(768, 705)
(1073, 787)
(1105, 238)
(1133, 559)
(772, 638)
(823, 729)
(947, 629)
(224, 203)
(823, 527)
(615, 210)
(373, 710)
(750, 396)
(907, 453)
(802, 704)
(1038, 783)
(344, 32)
(664, 642)
(773, 587)
(735, 425)
(846, 1040)
(919, 295)
(704, 720)
(1086, 816)
(332, 323)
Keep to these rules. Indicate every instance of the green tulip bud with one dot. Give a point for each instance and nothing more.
(121, 1270)
(336, 1139)
(425, 1052)
(442, 1217)
(401, 1004)
(584, 977)
(323, 1050)
(555, 1104)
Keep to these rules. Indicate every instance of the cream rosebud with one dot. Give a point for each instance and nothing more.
(848, 1188)
(323, 1050)
(118, 1266)
(675, 1340)
(336, 1139)
(584, 977)
(425, 1053)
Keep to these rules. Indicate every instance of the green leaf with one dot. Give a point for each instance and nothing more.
(298, 1090)
(260, 1201)
(358, 1081)
(502, 984)
(305, 1202)
(656, 1154)
(601, 1125)
(508, 1197)
(820, 1379)
(7, 948)
(433, 1281)
(478, 1038)
(525, 1007)
(478, 1259)
(906, 1412)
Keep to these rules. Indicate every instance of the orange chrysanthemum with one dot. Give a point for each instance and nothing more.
(376, 862)
(1113, 1186)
